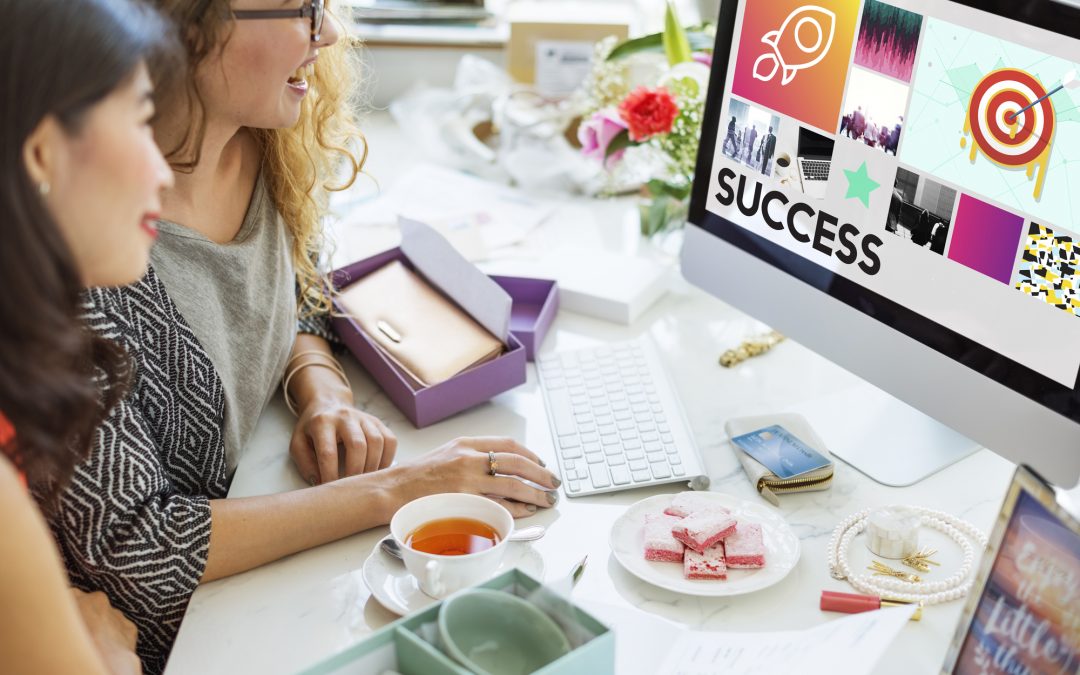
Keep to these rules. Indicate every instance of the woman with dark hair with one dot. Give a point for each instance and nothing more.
(79, 189)
(232, 309)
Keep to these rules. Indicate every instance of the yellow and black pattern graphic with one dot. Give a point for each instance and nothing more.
(1048, 268)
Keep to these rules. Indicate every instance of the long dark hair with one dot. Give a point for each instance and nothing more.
(57, 378)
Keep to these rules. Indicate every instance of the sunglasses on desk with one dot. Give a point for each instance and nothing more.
(315, 10)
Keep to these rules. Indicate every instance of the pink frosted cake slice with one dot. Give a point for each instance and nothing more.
(688, 503)
(707, 565)
(703, 529)
(745, 549)
(659, 544)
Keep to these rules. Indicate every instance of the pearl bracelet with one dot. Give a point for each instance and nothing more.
(955, 587)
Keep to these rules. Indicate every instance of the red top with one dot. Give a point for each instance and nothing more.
(7, 433)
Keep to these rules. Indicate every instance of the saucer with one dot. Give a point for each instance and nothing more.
(397, 590)
(781, 548)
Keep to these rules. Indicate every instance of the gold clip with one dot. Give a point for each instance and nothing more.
(921, 560)
(883, 570)
(750, 348)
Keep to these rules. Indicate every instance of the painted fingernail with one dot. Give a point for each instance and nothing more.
(555, 481)
(531, 508)
(312, 480)
(552, 497)
(542, 463)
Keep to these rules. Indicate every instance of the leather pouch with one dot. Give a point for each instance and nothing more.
(767, 483)
(424, 334)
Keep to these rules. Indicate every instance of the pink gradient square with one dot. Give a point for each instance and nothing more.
(986, 238)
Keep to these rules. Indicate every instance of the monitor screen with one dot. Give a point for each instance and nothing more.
(915, 160)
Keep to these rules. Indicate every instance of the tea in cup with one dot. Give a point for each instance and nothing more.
(451, 541)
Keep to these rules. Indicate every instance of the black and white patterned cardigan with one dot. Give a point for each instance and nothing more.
(135, 521)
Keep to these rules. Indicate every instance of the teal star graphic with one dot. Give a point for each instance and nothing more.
(860, 185)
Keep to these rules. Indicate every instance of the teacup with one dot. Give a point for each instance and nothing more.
(441, 575)
(496, 633)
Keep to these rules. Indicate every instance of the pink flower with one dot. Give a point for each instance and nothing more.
(596, 133)
(703, 57)
(649, 112)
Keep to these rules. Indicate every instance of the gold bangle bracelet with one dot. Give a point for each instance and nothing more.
(334, 366)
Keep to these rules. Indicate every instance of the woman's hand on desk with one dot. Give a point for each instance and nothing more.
(328, 423)
(464, 465)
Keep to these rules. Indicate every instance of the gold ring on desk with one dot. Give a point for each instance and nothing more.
(493, 466)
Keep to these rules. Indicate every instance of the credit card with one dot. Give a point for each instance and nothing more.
(780, 451)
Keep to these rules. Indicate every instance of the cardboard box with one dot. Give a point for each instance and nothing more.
(536, 301)
(551, 43)
(427, 405)
(402, 646)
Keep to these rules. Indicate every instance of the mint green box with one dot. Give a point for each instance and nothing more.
(402, 647)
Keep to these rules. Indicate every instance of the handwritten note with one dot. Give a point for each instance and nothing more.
(851, 645)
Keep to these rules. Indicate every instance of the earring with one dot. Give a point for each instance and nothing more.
(44, 187)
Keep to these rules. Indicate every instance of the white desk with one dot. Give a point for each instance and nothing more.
(290, 614)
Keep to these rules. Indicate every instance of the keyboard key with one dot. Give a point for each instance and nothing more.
(641, 476)
(586, 427)
(629, 434)
(620, 475)
(653, 446)
(573, 486)
(607, 430)
(594, 457)
(569, 464)
(678, 470)
(648, 436)
(569, 441)
(572, 453)
(671, 449)
(635, 454)
(632, 444)
(675, 459)
(590, 437)
(598, 474)
(592, 446)
(656, 457)
(561, 412)
(622, 415)
(610, 439)
(612, 450)
(667, 438)
(660, 470)
(615, 460)
(638, 465)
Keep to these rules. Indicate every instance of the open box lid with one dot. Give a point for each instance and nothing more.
(434, 258)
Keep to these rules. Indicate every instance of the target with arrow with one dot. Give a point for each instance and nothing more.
(1011, 120)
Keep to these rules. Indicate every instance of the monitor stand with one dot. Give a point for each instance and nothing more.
(883, 437)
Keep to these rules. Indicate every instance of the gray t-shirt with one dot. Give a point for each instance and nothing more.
(240, 300)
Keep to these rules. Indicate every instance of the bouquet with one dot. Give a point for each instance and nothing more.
(645, 99)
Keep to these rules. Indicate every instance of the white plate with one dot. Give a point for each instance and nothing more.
(397, 590)
(781, 548)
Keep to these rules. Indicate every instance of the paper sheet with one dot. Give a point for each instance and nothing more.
(852, 645)
(477, 216)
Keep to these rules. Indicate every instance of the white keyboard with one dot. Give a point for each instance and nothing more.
(615, 420)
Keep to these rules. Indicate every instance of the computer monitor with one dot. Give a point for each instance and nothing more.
(940, 262)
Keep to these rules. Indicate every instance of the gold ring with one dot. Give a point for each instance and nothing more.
(493, 466)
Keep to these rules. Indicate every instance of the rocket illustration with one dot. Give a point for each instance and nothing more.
(801, 42)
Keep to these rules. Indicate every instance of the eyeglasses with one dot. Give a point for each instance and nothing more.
(313, 9)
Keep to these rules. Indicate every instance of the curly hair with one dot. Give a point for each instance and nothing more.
(58, 379)
(302, 164)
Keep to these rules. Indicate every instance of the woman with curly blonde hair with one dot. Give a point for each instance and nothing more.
(257, 133)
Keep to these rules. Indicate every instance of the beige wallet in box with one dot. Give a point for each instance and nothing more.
(426, 335)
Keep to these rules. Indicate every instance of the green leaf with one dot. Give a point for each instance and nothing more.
(656, 217)
(621, 140)
(699, 40)
(676, 44)
(659, 188)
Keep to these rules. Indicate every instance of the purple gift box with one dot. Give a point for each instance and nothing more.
(427, 405)
(535, 303)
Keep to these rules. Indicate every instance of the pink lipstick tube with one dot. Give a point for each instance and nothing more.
(853, 603)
